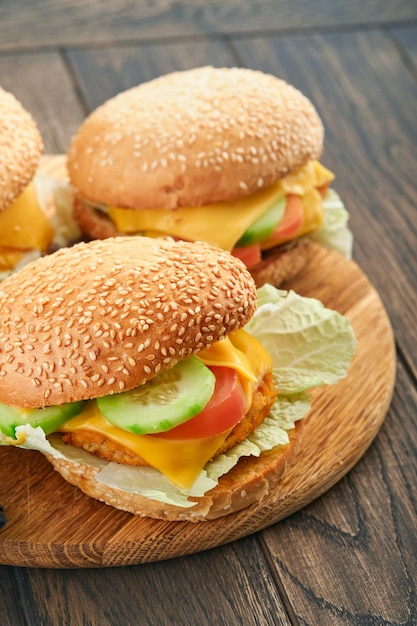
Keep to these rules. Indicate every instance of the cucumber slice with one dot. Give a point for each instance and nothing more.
(171, 398)
(264, 226)
(49, 419)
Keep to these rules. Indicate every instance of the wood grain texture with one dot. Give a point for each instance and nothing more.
(10, 607)
(101, 74)
(406, 39)
(48, 23)
(345, 418)
(345, 533)
(230, 585)
(43, 85)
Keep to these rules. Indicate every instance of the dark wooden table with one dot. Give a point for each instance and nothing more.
(350, 556)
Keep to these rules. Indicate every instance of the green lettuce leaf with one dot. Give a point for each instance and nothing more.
(60, 193)
(334, 233)
(310, 345)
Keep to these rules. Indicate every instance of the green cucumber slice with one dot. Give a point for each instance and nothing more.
(49, 419)
(264, 226)
(171, 398)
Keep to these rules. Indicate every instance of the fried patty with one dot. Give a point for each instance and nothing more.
(102, 446)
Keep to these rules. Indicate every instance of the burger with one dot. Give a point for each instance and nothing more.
(223, 155)
(156, 378)
(25, 231)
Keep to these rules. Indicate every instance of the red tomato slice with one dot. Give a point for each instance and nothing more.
(223, 411)
(250, 255)
(292, 220)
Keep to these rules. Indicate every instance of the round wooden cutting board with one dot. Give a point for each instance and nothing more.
(52, 524)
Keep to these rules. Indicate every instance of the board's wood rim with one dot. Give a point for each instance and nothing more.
(106, 537)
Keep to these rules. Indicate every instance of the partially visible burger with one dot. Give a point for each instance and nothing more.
(223, 155)
(25, 230)
(148, 375)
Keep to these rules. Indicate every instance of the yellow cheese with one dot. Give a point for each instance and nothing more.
(235, 217)
(199, 223)
(181, 461)
(24, 225)
(242, 352)
(9, 258)
(310, 176)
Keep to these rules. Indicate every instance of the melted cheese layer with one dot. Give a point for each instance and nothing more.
(181, 461)
(23, 225)
(202, 223)
(9, 258)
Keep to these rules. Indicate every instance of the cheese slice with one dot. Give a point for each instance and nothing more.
(242, 352)
(199, 223)
(234, 217)
(181, 461)
(310, 176)
(9, 258)
(24, 225)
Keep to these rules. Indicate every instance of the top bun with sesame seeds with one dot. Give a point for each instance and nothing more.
(26, 231)
(190, 150)
(192, 138)
(107, 316)
(20, 148)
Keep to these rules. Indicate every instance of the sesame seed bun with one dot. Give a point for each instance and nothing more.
(249, 483)
(106, 316)
(192, 138)
(20, 148)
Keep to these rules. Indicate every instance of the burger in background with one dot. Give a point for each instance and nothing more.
(35, 209)
(223, 155)
(25, 231)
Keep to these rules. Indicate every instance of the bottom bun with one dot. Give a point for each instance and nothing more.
(283, 263)
(249, 482)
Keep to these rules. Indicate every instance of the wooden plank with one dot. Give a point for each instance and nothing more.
(350, 557)
(10, 606)
(28, 24)
(366, 97)
(227, 586)
(101, 74)
(43, 85)
(407, 39)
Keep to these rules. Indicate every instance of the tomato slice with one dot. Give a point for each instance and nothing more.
(250, 255)
(224, 410)
(292, 220)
